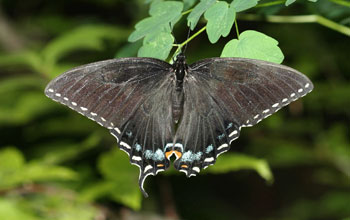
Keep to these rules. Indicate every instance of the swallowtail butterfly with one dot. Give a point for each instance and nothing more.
(155, 109)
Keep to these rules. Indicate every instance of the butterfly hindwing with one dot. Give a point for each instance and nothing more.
(129, 96)
(205, 129)
(224, 94)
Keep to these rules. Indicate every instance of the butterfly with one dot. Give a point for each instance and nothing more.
(157, 110)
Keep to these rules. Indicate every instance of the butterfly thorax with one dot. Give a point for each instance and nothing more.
(180, 69)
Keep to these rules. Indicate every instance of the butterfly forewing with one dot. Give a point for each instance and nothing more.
(132, 98)
(224, 94)
(250, 89)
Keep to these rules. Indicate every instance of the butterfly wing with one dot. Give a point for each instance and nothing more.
(224, 94)
(129, 96)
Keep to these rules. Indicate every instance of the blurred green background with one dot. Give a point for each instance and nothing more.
(56, 164)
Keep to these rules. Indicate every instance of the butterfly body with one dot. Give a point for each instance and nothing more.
(156, 110)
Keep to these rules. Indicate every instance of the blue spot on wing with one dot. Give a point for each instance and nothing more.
(190, 157)
(138, 147)
(156, 156)
(209, 149)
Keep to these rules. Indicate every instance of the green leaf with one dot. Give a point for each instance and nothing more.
(97, 190)
(289, 2)
(241, 5)
(11, 159)
(115, 167)
(197, 12)
(129, 50)
(234, 162)
(49, 203)
(188, 4)
(26, 108)
(60, 152)
(29, 59)
(285, 153)
(254, 45)
(10, 210)
(157, 45)
(162, 13)
(90, 37)
(220, 20)
(14, 171)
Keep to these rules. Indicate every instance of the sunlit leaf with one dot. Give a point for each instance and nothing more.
(289, 2)
(11, 159)
(11, 210)
(254, 45)
(220, 20)
(197, 12)
(241, 5)
(162, 15)
(157, 45)
(129, 50)
(188, 4)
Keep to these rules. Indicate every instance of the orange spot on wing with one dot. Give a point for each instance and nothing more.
(184, 166)
(168, 154)
(160, 165)
(178, 154)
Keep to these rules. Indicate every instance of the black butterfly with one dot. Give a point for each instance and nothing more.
(194, 112)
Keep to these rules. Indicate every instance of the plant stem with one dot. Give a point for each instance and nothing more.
(341, 2)
(186, 12)
(267, 4)
(179, 46)
(237, 32)
(298, 19)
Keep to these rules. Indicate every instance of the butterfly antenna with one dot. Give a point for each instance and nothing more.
(172, 33)
(188, 36)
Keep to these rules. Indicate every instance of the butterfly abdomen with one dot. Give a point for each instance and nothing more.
(177, 105)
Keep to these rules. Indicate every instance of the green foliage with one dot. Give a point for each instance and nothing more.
(62, 167)
(198, 11)
(242, 5)
(83, 38)
(163, 14)
(14, 171)
(52, 204)
(220, 20)
(129, 50)
(120, 184)
(234, 162)
(255, 45)
(89, 37)
(156, 45)
(289, 2)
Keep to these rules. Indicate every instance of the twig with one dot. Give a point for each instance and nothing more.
(297, 19)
